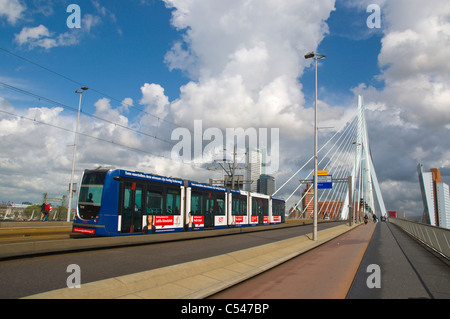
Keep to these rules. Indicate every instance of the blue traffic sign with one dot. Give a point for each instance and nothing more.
(324, 182)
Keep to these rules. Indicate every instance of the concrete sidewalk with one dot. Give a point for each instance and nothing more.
(201, 278)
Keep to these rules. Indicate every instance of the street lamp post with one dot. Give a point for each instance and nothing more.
(80, 92)
(355, 206)
(316, 57)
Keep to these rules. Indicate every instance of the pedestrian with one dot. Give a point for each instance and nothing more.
(43, 207)
(47, 212)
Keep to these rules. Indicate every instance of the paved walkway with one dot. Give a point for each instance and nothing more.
(407, 269)
(326, 272)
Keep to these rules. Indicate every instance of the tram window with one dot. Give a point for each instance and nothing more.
(196, 204)
(94, 178)
(220, 206)
(173, 202)
(275, 209)
(278, 208)
(127, 198)
(255, 207)
(235, 211)
(239, 206)
(91, 195)
(243, 206)
(259, 207)
(91, 189)
(138, 198)
(154, 203)
(265, 207)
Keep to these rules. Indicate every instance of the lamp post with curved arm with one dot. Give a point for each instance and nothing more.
(316, 57)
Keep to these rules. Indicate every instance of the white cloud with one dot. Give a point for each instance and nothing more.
(35, 157)
(415, 55)
(244, 58)
(12, 10)
(90, 21)
(409, 116)
(33, 36)
(42, 37)
(155, 100)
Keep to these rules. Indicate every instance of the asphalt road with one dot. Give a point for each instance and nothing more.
(28, 276)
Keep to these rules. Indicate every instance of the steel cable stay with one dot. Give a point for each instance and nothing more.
(341, 137)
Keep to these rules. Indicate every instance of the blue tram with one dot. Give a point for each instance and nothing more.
(115, 202)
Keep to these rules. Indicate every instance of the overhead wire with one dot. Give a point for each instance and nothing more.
(79, 133)
(78, 83)
(42, 98)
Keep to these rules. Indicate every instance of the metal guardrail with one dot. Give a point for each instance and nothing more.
(434, 237)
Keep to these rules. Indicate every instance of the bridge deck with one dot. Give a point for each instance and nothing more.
(337, 269)
(326, 272)
(340, 269)
(408, 270)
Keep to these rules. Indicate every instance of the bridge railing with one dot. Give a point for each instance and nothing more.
(434, 237)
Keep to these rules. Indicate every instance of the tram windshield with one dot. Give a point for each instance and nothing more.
(91, 190)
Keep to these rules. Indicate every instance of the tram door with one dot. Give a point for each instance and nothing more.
(132, 205)
(209, 214)
(260, 213)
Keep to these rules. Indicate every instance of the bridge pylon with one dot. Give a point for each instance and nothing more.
(364, 178)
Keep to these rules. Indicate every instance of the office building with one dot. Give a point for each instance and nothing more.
(254, 169)
(266, 184)
(436, 198)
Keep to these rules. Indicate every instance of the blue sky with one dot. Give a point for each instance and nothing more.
(349, 46)
(230, 64)
(116, 57)
(128, 47)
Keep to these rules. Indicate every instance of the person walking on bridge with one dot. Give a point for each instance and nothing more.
(43, 207)
(46, 211)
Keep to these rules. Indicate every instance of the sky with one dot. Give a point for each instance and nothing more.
(155, 66)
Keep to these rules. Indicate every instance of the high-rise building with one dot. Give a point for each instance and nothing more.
(436, 198)
(266, 184)
(443, 205)
(254, 169)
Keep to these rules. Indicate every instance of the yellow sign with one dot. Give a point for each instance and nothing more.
(321, 173)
